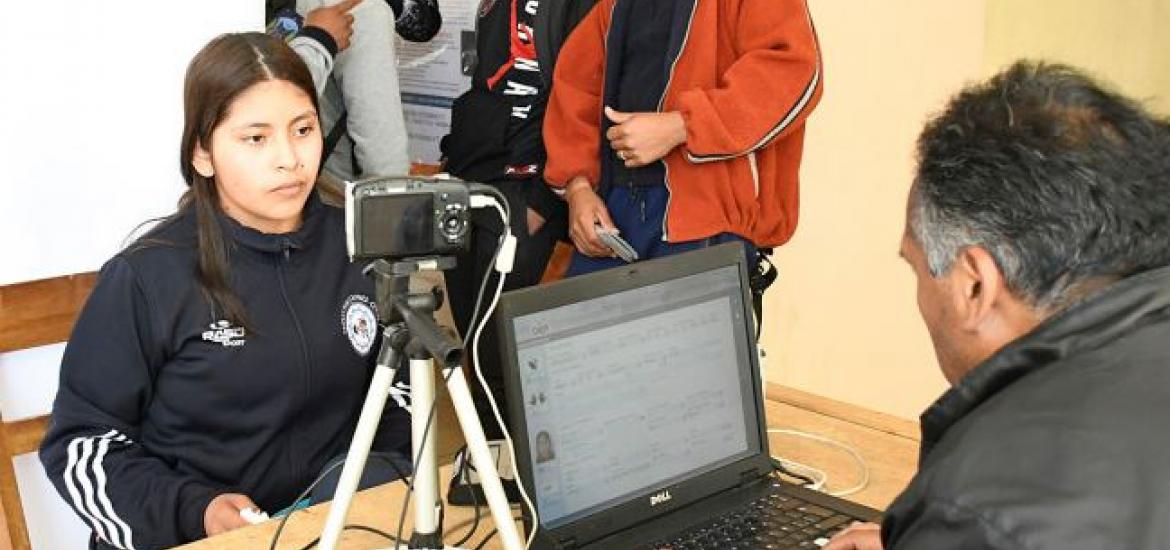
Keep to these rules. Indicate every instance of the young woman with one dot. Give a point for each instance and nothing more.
(222, 359)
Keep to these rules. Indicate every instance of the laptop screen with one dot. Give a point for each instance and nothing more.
(634, 390)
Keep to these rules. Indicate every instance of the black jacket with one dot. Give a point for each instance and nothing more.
(162, 405)
(1057, 441)
(496, 124)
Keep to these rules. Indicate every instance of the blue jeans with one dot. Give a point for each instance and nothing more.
(638, 212)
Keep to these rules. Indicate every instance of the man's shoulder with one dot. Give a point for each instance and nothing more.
(1068, 446)
(1067, 416)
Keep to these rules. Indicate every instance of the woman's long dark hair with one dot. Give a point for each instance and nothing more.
(219, 73)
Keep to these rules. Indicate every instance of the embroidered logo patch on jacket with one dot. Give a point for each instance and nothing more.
(359, 322)
(222, 332)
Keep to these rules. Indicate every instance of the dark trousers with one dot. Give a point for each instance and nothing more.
(532, 255)
(638, 213)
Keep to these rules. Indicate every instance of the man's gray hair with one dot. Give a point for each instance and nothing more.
(1060, 180)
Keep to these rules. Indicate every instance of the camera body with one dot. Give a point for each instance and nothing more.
(403, 217)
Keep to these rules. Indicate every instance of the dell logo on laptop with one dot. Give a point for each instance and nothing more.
(659, 498)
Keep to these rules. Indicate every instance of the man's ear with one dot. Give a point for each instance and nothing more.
(977, 285)
(201, 161)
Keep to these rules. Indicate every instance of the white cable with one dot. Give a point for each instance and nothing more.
(496, 409)
(856, 455)
(478, 200)
(483, 382)
(507, 256)
(819, 477)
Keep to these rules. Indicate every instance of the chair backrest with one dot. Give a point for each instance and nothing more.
(32, 314)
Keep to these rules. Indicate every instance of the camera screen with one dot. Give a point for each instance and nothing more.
(398, 225)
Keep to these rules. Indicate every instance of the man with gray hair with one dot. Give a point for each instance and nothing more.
(1038, 227)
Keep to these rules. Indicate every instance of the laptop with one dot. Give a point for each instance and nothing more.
(637, 412)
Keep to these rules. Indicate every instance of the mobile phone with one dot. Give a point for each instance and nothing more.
(615, 243)
(285, 24)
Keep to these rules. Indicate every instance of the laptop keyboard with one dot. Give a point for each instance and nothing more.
(774, 521)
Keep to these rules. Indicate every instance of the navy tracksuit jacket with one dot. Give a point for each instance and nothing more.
(163, 405)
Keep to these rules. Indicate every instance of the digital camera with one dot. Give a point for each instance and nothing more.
(402, 217)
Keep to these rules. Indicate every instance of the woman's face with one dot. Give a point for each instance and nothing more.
(264, 156)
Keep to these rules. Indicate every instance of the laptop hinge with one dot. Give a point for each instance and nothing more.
(748, 476)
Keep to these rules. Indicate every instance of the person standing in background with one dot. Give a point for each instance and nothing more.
(496, 139)
(680, 124)
(361, 107)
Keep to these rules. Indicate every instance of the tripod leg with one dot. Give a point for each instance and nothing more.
(481, 457)
(359, 447)
(426, 476)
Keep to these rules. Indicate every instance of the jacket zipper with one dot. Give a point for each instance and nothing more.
(281, 262)
(662, 101)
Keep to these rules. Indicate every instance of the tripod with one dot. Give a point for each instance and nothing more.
(412, 334)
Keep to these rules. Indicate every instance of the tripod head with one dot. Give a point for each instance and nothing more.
(398, 308)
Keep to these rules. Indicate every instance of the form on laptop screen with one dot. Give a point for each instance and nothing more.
(635, 390)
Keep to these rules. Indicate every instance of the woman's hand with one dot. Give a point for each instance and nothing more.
(223, 513)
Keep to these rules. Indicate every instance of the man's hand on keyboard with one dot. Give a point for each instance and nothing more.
(859, 536)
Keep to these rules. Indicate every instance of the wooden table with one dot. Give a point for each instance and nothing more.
(888, 444)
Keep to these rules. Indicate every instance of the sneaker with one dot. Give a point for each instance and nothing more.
(465, 489)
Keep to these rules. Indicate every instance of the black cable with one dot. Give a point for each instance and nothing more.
(779, 467)
(383, 534)
(417, 456)
(483, 284)
(491, 535)
(447, 378)
(369, 529)
(409, 481)
(485, 540)
(478, 304)
(276, 536)
(471, 326)
(302, 496)
(478, 512)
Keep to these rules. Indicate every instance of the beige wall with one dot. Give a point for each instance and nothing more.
(1124, 42)
(842, 321)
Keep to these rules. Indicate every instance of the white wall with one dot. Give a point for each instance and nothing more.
(91, 110)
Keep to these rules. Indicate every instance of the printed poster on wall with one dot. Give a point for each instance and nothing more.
(432, 74)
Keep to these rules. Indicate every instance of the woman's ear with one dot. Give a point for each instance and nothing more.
(201, 161)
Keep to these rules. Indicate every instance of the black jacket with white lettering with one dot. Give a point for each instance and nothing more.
(163, 405)
(496, 124)
(1056, 441)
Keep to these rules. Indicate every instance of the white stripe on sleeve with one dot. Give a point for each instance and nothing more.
(75, 495)
(93, 501)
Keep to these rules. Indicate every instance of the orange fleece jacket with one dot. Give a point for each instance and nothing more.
(747, 77)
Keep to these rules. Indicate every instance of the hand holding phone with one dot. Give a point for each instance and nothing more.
(619, 246)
